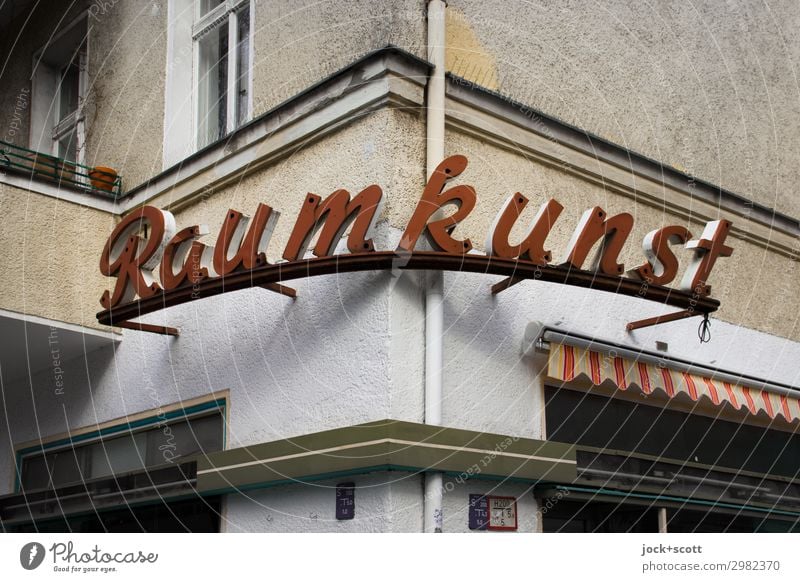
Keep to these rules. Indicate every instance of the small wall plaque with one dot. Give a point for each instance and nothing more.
(502, 513)
(478, 511)
(345, 500)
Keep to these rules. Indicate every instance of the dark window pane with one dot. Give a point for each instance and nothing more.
(69, 90)
(711, 521)
(598, 421)
(199, 435)
(213, 84)
(125, 452)
(117, 455)
(243, 66)
(200, 515)
(579, 517)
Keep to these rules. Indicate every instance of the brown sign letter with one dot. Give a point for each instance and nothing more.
(662, 264)
(185, 259)
(532, 247)
(131, 259)
(439, 231)
(236, 250)
(594, 227)
(706, 250)
(334, 215)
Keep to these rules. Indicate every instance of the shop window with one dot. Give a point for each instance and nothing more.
(592, 517)
(222, 36)
(611, 423)
(197, 515)
(161, 439)
(58, 124)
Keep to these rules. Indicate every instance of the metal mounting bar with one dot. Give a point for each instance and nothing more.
(505, 284)
(418, 260)
(281, 289)
(164, 330)
(650, 321)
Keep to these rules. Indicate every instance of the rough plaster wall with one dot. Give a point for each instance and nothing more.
(497, 173)
(51, 250)
(385, 502)
(297, 43)
(19, 40)
(487, 385)
(707, 87)
(374, 150)
(125, 101)
(291, 367)
(383, 148)
(491, 386)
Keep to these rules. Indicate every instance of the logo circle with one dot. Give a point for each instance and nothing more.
(31, 555)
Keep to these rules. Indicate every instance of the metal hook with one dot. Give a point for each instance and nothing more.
(704, 330)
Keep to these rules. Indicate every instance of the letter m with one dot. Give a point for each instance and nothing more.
(331, 218)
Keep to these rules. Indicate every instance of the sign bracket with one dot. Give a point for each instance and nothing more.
(501, 286)
(659, 319)
(281, 289)
(162, 329)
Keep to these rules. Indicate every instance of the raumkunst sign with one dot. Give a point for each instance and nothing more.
(167, 266)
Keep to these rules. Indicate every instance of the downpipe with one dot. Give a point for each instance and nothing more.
(434, 280)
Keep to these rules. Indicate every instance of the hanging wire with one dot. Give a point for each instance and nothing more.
(704, 330)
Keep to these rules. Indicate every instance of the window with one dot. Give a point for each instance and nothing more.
(59, 91)
(598, 421)
(223, 48)
(124, 448)
(197, 515)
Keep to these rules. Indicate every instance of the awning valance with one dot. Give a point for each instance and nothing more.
(568, 362)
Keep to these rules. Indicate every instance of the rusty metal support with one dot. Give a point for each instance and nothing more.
(281, 289)
(650, 321)
(164, 330)
(418, 260)
(505, 284)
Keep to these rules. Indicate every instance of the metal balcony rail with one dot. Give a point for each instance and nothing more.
(63, 172)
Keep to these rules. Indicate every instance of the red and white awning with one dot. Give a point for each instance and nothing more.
(568, 362)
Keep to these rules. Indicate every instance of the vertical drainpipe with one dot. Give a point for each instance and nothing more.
(434, 291)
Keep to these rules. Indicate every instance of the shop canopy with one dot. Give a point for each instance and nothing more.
(568, 362)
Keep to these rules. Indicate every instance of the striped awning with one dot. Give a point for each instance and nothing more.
(568, 362)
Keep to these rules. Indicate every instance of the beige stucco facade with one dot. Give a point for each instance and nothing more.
(705, 87)
(51, 247)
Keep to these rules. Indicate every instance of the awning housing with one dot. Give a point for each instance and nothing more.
(568, 362)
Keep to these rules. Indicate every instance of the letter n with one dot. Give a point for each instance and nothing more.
(612, 234)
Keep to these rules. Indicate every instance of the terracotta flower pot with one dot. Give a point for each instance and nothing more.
(103, 178)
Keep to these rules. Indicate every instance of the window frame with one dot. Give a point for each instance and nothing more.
(47, 126)
(227, 10)
(133, 424)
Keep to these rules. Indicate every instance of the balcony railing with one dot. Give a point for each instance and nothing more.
(63, 172)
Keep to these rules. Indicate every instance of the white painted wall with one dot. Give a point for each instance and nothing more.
(384, 502)
(491, 386)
